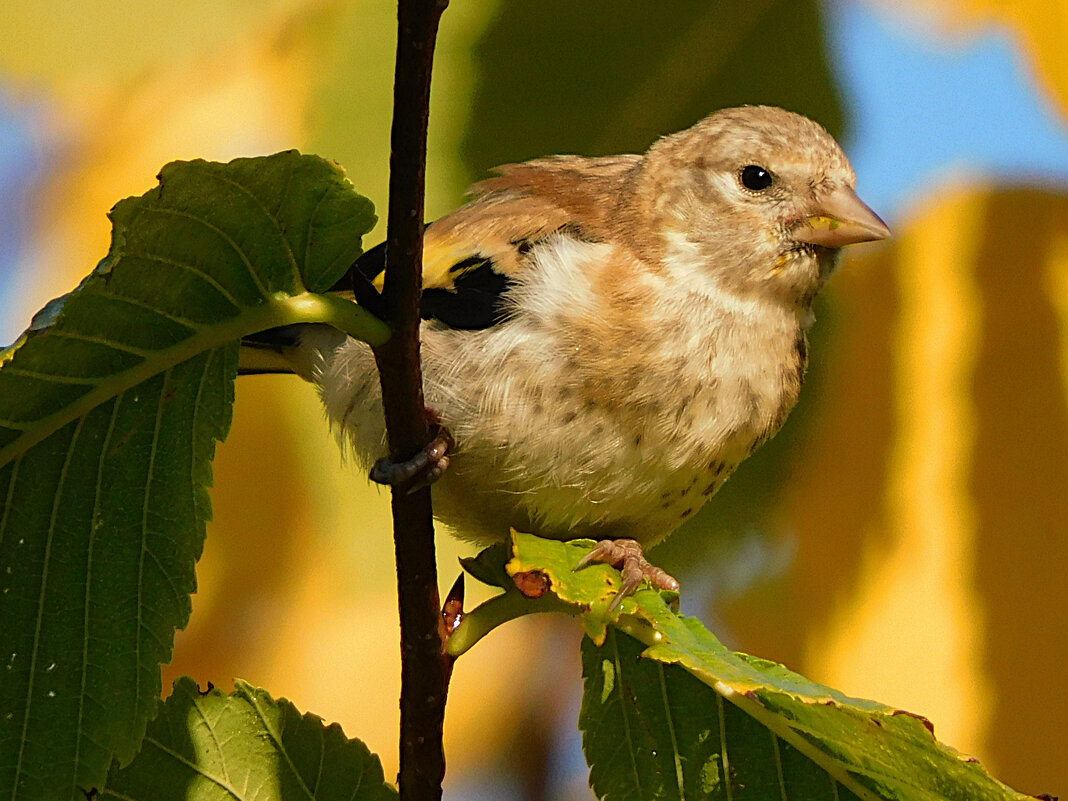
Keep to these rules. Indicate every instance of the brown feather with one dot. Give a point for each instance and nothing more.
(525, 203)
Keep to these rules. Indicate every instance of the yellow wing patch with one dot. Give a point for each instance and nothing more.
(440, 256)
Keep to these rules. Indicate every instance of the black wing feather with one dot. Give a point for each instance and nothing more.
(475, 301)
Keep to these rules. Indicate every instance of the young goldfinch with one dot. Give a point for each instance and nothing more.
(606, 339)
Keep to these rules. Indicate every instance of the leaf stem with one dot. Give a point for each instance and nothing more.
(341, 313)
(499, 609)
(425, 669)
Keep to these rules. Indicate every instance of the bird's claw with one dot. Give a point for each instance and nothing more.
(627, 556)
(423, 469)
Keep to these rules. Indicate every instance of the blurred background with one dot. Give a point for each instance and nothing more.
(904, 538)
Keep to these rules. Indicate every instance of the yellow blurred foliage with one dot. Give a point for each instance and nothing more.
(77, 47)
(111, 142)
(874, 646)
(927, 501)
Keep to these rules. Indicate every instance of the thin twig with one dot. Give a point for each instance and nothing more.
(425, 670)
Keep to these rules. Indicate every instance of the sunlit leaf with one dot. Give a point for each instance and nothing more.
(245, 747)
(655, 731)
(670, 712)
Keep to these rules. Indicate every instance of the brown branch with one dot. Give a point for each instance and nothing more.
(425, 670)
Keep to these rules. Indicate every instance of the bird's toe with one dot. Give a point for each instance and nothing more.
(628, 557)
(424, 468)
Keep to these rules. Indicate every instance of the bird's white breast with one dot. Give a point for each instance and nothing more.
(584, 415)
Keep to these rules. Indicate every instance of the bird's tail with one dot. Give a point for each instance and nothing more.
(298, 349)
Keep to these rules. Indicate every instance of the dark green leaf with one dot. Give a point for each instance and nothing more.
(565, 77)
(654, 731)
(110, 408)
(488, 565)
(217, 747)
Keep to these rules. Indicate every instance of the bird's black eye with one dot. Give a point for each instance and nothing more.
(756, 178)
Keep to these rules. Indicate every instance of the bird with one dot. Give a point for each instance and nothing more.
(605, 339)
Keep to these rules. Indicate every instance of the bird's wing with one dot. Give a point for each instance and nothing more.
(472, 256)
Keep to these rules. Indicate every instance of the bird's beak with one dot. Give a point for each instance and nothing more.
(840, 218)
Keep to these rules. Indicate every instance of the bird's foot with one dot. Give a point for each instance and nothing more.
(423, 469)
(627, 556)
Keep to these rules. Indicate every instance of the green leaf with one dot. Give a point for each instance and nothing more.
(488, 565)
(212, 746)
(588, 592)
(653, 731)
(670, 712)
(110, 407)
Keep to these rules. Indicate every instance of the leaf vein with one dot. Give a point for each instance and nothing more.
(322, 760)
(213, 355)
(311, 226)
(33, 431)
(272, 216)
(195, 767)
(41, 603)
(225, 236)
(149, 476)
(132, 301)
(206, 277)
(104, 447)
(14, 369)
(626, 721)
(876, 769)
(110, 343)
(724, 757)
(670, 718)
(778, 765)
(178, 594)
(277, 738)
(219, 746)
(9, 496)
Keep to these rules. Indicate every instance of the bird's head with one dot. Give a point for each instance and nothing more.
(760, 199)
